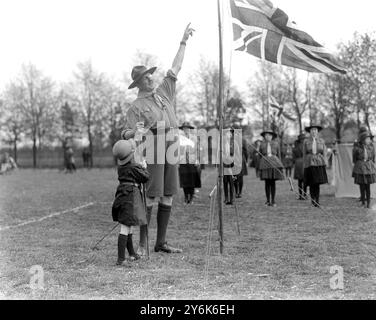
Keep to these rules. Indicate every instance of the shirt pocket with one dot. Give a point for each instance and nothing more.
(149, 116)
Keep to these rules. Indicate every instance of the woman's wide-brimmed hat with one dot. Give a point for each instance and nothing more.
(269, 131)
(308, 129)
(364, 135)
(362, 129)
(124, 150)
(138, 72)
(186, 125)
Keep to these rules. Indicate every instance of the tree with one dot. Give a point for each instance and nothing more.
(11, 121)
(204, 86)
(36, 93)
(359, 57)
(297, 101)
(335, 89)
(88, 96)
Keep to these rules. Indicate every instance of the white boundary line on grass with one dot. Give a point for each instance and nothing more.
(55, 214)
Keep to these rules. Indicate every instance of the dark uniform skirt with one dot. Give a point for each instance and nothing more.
(315, 175)
(364, 172)
(364, 178)
(189, 175)
(271, 168)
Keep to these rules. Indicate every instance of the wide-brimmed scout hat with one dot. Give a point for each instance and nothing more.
(138, 72)
(318, 127)
(124, 150)
(186, 124)
(362, 129)
(364, 135)
(269, 131)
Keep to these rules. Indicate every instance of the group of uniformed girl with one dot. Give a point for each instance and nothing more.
(309, 156)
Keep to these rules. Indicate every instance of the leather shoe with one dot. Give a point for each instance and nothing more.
(164, 247)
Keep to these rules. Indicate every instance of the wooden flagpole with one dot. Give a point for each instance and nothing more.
(220, 125)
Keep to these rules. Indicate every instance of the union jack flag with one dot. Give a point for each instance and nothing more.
(266, 32)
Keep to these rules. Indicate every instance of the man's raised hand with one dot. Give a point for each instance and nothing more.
(188, 32)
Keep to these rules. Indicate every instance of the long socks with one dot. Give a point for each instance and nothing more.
(122, 243)
(238, 184)
(368, 195)
(228, 187)
(125, 242)
(163, 217)
(363, 193)
(270, 191)
(130, 248)
(267, 191)
(315, 194)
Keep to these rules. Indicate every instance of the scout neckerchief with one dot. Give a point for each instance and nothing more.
(314, 146)
(365, 153)
(268, 149)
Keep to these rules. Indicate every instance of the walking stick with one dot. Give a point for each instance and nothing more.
(138, 138)
(291, 185)
(236, 214)
(237, 217)
(96, 245)
(147, 222)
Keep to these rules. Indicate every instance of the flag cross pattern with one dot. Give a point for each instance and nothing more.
(266, 32)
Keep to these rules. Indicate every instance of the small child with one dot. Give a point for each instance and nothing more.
(128, 208)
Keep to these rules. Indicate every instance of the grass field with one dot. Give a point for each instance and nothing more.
(282, 253)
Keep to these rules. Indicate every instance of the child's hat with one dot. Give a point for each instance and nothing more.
(123, 150)
(364, 135)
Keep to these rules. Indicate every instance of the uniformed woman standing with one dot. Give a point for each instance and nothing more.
(314, 158)
(299, 166)
(189, 168)
(271, 167)
(364, 172)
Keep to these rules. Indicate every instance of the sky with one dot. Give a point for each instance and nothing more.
(56, 34)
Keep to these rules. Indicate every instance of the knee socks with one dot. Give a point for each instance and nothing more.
(267, 191)
(362, 193)
(163, 217)
(239, 185)
(315, 194)
(270, 191)
(368, 194)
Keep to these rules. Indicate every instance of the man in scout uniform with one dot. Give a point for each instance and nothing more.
(154, 106)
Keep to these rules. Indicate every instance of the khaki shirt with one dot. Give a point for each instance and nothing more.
(314, 160)
(152, 107)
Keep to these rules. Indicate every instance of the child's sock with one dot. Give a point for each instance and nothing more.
(122, 243)
(130, 248)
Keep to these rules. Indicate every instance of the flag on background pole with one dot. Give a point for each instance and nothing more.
(266, 32)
